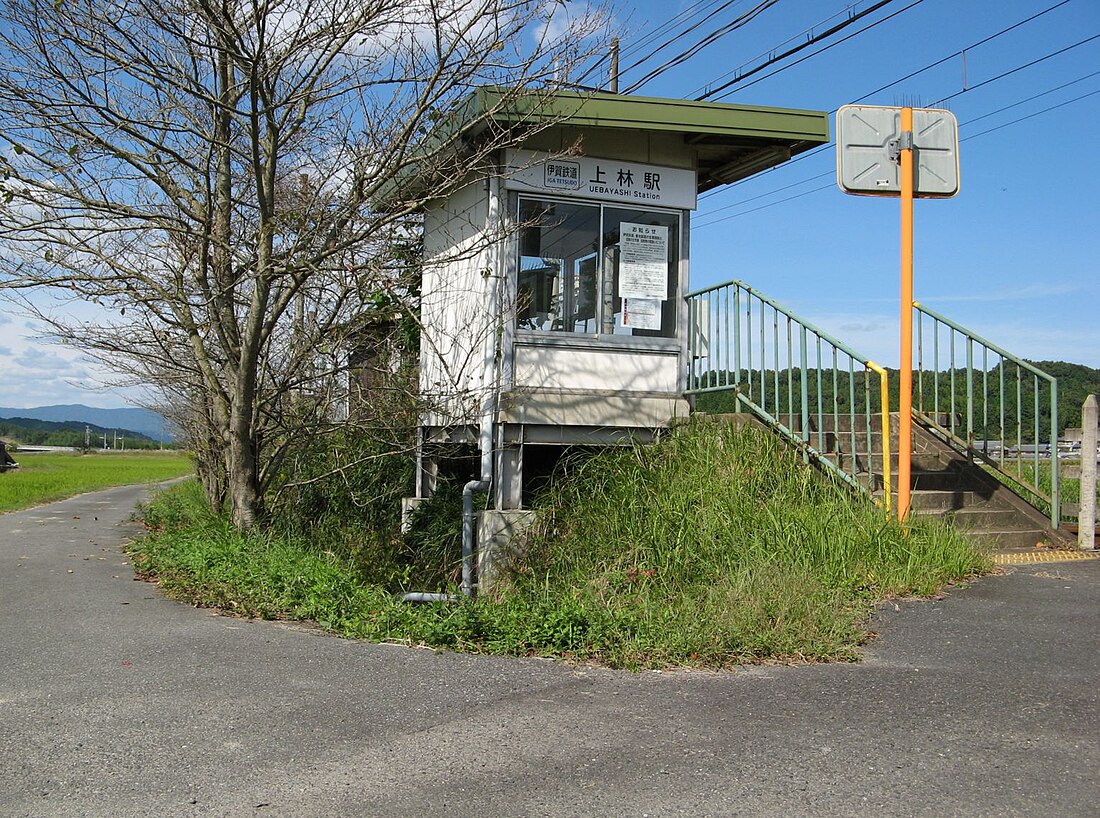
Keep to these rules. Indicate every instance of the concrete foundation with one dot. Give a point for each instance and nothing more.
(499, 538)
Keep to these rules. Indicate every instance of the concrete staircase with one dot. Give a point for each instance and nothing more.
(944, 484)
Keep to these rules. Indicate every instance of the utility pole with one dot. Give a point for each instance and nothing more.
(613, 74)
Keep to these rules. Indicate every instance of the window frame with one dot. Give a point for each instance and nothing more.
(589, 340)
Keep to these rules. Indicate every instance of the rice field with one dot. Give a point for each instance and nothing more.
(43, 477)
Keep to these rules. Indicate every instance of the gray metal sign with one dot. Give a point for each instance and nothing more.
(868, 141)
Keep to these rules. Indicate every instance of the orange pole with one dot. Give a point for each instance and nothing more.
(905, 388)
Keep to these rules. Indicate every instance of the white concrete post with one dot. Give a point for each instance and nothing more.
(1086, 517)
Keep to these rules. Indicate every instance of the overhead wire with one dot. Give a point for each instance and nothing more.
(681, 35)
(967, 138)
(738, 22)
(812, 41)
(1035, 62)
(686, 14)
(806, 33)
(683, 15)
(928, 67)
(1033, 98)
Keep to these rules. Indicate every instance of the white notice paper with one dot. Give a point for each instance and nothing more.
(642, 313)
(643, 261)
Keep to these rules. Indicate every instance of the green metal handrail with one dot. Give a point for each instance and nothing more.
(986, 395)
(813, 389)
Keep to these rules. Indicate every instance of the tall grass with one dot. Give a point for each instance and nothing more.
(1027, 478)
(710, 548)
(721, 544)
(43, 477)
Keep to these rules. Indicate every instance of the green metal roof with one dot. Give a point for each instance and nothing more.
(731, 141)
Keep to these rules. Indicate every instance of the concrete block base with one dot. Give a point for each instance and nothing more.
(499, 534)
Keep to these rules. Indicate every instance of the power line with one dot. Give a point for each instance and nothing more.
(807, 33)
(964, 139)
(765, 195)
(1031, 116)
(769, 204)
(812, 41)
(716, 34)
(909, 76)
(682, 34)
(1021, 67)
(686, 14)
(970, 47)
(1031, 98)
(683, 16)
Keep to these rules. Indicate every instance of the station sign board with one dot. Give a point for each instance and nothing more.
(607, 180)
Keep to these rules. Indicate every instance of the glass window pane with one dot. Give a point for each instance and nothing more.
(642, 251)
(558, 270)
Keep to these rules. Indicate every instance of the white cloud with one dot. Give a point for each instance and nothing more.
(1025, 292)
(37, 373)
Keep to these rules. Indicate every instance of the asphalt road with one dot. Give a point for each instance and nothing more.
(115, 702)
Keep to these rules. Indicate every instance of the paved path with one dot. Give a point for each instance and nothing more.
(115, 702)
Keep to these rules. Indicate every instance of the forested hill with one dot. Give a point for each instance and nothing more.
(33, 432)
(1075, 383)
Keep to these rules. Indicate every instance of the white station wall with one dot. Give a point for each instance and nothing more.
(453, 304)
(596, 370)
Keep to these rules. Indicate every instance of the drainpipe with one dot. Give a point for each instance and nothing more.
(485, 445)
(490, 376)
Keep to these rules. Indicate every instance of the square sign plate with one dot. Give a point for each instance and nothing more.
(866, 143)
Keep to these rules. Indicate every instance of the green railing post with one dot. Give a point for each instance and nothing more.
(970, 391)
(747, 365)
(1014, 474)
(804, 390)
(737, 345)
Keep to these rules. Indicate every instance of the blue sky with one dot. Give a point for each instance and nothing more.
(1013, 256)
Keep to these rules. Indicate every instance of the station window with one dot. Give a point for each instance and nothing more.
(597, 269)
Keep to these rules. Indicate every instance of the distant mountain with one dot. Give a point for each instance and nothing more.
(74, 433)
(143, 421)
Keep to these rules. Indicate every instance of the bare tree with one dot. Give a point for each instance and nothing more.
(224, 178)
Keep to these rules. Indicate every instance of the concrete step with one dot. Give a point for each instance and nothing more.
(943, 501)
(950, 480)
(943, 482)
(982, 518)
(1007, 540)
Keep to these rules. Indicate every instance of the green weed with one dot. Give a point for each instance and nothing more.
(43, 477)
(710, 548)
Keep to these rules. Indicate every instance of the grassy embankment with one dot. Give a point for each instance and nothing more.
(711, 548)
(46, 476)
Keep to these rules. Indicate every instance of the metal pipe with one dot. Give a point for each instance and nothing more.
(469, 530)
(423, 596)
(489, 383)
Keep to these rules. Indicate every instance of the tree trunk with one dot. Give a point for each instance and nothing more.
(245, 500)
